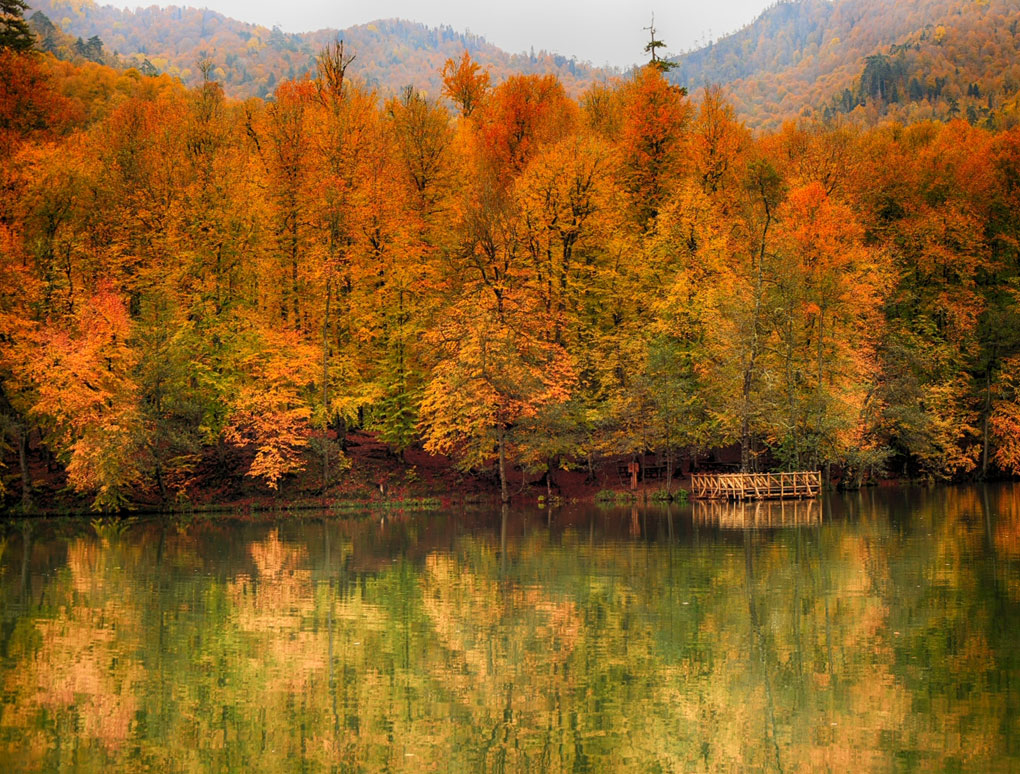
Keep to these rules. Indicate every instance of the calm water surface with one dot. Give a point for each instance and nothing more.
(868, 633)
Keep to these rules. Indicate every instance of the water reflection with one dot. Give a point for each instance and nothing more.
(870, 632)
(757, 514)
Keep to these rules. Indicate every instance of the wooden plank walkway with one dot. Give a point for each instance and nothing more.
(755, 486)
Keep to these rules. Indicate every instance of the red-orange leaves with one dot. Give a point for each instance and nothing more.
(269, 416)
(524, 113)
(652, 137)
(88, 398)
(465, 83)
(28, 103)
(822, 234)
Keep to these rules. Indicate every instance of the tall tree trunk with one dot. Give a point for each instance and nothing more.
(791, 402)
(821, 377)
(548, 483)
(503, 489)
(984, 423)
(752, 358)
(26, 560)
(294, 285)
(325, 394)
(745, 431)
(26, 480)
(160, 482)
(504, 513)
(752, 361)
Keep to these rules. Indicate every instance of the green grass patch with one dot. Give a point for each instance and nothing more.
(408, 504)
(614, 497)
(662, 496)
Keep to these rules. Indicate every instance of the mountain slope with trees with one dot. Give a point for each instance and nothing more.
(866, 60)
(870, 59)
(248, 60)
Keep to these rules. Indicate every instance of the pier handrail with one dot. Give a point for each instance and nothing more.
(756, 486)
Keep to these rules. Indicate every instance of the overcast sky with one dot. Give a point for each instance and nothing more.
(599, 31)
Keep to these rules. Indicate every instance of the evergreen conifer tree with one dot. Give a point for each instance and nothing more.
(14, 30)
(652, 46)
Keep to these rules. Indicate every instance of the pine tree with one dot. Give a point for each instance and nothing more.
(652, 46)
(14, 31)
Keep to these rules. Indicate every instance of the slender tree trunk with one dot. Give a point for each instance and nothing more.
(294, 284)
(821, 372)
(984, 423)
(745, 424)
(759, 291)
(503, 489)
(325, 395)
(161, 483)
(503, 515)
(745, 429)
(790, 397)
(26, 480)
(26, 559)
(548, 483)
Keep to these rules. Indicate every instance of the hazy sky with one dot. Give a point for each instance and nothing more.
(600, 31)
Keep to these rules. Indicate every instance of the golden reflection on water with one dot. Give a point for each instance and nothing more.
(871, 632)
(757, 513)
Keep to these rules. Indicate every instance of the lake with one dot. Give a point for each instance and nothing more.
(868, 632)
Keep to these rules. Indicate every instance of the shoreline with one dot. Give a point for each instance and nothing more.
(420, 503)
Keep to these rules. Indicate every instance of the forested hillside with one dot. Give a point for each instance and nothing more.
(249, 60)
(862, 60)
(869, 59)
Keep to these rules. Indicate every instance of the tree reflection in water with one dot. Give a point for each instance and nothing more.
(868, 632)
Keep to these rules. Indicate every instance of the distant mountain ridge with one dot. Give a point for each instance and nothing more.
(866, 60)
(249, 59)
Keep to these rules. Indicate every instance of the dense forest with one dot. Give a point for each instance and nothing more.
(530, 281)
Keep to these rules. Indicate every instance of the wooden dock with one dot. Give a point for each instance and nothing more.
(756, 486)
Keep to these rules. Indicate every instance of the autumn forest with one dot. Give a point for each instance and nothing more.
(503, 274)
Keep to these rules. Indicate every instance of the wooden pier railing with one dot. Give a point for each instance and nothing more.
(755, 486)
